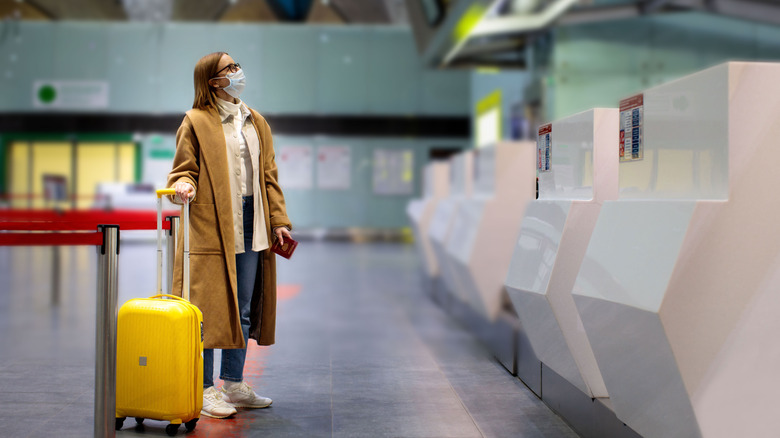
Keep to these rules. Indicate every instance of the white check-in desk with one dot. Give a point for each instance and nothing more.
(486, 226)
(553, 238)
(679, 290)
(440, 230)
(436, 186)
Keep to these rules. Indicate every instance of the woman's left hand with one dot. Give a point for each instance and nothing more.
(281, 233)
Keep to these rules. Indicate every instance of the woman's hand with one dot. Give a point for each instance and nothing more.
(281, 233)
(184, 190)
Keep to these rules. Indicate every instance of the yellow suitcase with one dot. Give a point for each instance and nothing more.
(160, 351)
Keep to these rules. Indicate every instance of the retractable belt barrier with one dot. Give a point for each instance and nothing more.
(20, 222)
(56, 228)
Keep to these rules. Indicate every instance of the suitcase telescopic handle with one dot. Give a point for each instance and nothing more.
(185, 289)
(169, 296)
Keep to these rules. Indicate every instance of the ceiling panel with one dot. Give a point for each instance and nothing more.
(249, 11)
(362, 11)
(330, 11)
(199, 10)
(80, 9)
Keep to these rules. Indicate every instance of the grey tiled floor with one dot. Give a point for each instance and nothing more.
(361, 352)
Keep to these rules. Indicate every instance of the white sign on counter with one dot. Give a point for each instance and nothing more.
(631, 115)
(543, 146)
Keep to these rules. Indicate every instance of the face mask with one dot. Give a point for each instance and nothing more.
(237, 83)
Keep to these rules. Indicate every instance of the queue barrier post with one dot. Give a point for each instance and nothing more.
(105, 332)
(25, 230)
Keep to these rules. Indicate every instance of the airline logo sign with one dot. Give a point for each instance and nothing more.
(631, 135)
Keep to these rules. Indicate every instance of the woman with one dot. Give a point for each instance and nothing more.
(224, 165)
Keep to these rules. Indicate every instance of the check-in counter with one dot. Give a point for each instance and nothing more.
(678, 289)
(461, 186)
(436, 186)
(577, 163)
(486, 226)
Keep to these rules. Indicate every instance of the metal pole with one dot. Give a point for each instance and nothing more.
(185, 283)
(105, 333)
(172, 237)
(55, 276)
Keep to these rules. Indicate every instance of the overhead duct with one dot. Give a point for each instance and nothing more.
(248, 11)
(483, 32)
(291, 10)
(522, 22)
(438, 25)
(396, 11)
(522, 6)
(516, 23)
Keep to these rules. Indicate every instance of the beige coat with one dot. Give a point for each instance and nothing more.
(201, 160)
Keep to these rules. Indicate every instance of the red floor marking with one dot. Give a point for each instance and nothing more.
(240, 424)
(254, 364)
(287, 291)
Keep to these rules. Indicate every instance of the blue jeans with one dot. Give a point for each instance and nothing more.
(246, 269)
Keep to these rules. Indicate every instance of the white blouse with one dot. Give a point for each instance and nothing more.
(243, 151)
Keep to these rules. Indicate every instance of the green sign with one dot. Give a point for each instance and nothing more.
(47, 93)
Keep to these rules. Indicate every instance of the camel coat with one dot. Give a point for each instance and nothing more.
(201, 160)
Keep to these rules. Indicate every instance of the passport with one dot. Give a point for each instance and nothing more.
(285, 250)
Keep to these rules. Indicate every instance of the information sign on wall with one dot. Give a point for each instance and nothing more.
(295, 167)
(631, 117)
(543, 145)
(334, 167)
(63, 94)
(393, 171)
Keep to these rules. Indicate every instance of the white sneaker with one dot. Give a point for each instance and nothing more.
(214, 406)
(241, 395)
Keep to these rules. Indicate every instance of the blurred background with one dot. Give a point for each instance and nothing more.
(361, 96)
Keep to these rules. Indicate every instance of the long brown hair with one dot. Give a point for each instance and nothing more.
(205, 69)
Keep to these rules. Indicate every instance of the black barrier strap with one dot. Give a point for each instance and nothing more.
(102, 230)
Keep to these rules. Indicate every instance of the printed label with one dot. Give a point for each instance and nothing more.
(631, 135)
(543, 146)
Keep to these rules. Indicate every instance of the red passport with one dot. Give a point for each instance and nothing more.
(285, 250)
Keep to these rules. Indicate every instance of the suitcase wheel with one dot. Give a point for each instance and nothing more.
(139, 420)
(119, 423)
(171, 429)
(190, 425)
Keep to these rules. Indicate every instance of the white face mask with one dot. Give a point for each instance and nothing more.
(237, 83)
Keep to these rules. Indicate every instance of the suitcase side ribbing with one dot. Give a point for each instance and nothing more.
(159, 368)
